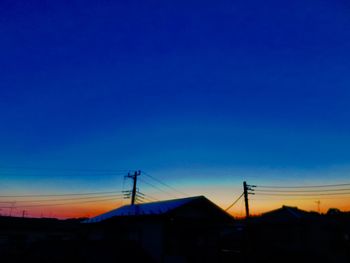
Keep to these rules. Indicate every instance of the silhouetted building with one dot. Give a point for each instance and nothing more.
(180, 230)
(294, 235)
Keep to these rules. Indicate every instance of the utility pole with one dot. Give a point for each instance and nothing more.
(246, 189)
(24, 212)
(12, 207)
(134, 178)
(318, 206)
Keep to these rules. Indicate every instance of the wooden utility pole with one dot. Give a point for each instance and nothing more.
(24, 212)
(134, 189)
(246, 189)
(12, 207)
(318, 206)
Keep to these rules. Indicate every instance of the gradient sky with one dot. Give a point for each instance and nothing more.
(201, 95)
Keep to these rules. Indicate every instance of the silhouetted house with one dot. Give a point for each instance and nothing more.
(180, 230)
(292, 228)
(288, 214)
(289, 232)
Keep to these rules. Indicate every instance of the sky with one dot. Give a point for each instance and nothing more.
(201, 95)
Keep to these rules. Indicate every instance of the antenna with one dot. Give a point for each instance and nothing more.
(318, 202)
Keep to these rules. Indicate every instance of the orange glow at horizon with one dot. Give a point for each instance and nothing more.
(257, 207)
(64, 212)
(222, 195)
(70, 199)
(260, 206)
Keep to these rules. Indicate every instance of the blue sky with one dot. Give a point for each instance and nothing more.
(176, 86)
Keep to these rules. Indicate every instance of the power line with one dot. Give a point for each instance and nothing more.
(156, 187)
(148, 200)
(42, 174)
(63, 169)
(304, 186)
(63, 199)
(303, 191)
(147, 196)
(65, 194)
(306, 194)
(164, 184)
(297, 198)
(234, 202)
(90, 201)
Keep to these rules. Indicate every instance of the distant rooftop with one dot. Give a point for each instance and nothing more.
(154, 208)
(286, 213)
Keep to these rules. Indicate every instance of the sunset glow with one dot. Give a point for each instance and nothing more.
(201, 97)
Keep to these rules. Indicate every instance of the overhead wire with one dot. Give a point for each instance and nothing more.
(148, 200)
(62, 199)
(63, 194)
(164, 184)
(275, 198)
(63, 169)
(156, 187)
(73, 203)
(281, 193)
(59, 199)
(242, 207)
(234, 202)
(303, 191)
(151, 198)
(303, 186)
(306, 194)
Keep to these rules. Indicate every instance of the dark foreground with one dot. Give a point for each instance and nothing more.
(271, 238)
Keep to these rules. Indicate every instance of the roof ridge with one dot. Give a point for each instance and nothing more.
(169, 200)
(152, 208)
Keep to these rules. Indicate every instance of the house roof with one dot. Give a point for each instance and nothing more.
(154, 208)
(286, 213)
